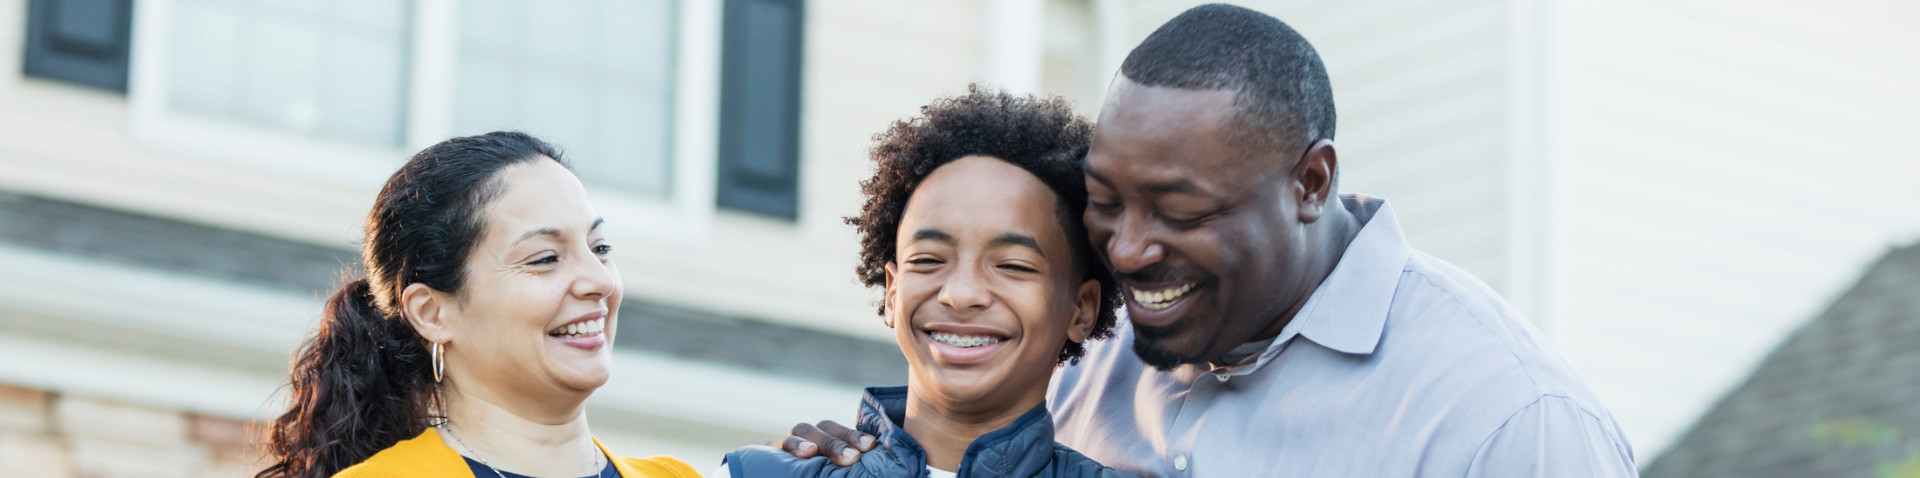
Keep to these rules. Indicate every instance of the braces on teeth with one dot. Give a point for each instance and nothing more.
(964, 341)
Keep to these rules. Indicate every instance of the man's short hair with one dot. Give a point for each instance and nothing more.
(1281, 89)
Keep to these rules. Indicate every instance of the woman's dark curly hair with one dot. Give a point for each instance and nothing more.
(1040, 135)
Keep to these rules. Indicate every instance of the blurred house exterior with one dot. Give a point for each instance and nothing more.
(1667, 189)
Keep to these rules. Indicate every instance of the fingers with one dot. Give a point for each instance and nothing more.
(826, 445)
(799, 447)
(829, 439)
(860, 441)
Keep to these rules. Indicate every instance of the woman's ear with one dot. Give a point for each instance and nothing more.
(423, 308)
(886, 298)
(1086, 311)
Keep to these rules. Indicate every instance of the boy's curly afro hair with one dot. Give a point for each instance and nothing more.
(1040, 135)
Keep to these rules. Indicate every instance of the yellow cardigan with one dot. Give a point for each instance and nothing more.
(426, 456)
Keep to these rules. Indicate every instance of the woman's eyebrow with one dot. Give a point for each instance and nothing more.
(545, 231)
(555, 232)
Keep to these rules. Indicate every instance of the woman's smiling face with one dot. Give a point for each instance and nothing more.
(539, 305)
(983, 291)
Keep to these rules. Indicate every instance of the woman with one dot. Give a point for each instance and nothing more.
(972, 228)
(482, 326)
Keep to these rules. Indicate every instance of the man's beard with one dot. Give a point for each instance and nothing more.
(1148, 345)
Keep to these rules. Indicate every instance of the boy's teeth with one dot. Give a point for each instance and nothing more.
(964, 341)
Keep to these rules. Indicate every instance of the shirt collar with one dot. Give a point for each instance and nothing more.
(1348, 311)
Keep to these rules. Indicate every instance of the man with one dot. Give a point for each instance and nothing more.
(1277, 328)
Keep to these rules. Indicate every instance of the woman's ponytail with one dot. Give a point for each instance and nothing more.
(360, 384)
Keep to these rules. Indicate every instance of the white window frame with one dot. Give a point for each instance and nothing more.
(685, 213)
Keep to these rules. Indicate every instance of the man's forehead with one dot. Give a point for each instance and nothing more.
(1129, 101)
(1167, 134)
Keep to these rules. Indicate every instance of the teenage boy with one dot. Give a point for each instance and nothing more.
(972, 226)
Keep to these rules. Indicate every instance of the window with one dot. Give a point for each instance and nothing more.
(338, 92)
(593, 76)
(330, 68)
(80, 41)
(759, 163)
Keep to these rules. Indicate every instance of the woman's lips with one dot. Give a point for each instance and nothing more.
(588, 343)
(589, 335)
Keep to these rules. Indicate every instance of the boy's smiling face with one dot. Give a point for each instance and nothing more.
(983, 291)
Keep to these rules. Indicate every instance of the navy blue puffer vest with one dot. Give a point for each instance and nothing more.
(1023, 449)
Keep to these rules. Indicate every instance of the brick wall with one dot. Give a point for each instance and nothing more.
(52, 435)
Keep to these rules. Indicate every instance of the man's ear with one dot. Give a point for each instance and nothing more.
(424, 308)
(1313, 180)
(886, 298)
(1086, 311)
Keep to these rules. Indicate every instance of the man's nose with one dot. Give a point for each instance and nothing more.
(1133, 246)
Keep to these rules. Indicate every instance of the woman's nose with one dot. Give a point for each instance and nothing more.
(597, 279)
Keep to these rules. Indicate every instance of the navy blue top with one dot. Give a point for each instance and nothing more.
(482, 470)
(1023, 449)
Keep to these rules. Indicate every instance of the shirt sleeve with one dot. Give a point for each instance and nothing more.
(1554, 437)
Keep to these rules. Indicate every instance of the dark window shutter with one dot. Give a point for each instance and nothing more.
(81, 41)
(760, 107)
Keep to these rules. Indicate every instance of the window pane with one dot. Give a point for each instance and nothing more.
(592, 76)
(79, 41)
(329, 68)
(760, 107)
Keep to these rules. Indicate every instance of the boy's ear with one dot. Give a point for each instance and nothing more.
(886, 297)
(1086, 311)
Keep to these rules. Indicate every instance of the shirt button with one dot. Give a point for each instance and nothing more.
(1223, 377)
(1180, 463)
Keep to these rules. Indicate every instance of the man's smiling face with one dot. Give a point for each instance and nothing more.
(1196, 220)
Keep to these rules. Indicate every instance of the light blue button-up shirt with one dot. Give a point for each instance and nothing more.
(1398, 365)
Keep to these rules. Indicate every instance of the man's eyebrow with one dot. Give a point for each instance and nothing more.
(1086, 167)
(932, 235)
(1182, 185)
(555, 232)
(1018, 239)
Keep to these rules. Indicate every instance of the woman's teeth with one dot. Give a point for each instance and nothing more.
(964, 341)
(581, 329)
(1162, 299)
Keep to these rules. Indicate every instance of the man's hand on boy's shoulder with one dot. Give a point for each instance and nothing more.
(827, 438)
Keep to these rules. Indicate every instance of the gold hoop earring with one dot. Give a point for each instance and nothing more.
(439, 362)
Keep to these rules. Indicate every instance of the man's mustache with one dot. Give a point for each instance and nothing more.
(1163, 274)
